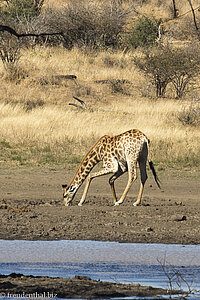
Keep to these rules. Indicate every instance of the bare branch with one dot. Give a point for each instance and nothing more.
(19, 35)
(82, 106)
(81, 101)
(76, 105)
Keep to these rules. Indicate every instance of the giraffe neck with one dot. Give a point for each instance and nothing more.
(85, 167)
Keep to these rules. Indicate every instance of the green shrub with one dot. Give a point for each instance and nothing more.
(144, 33)
(20, 9)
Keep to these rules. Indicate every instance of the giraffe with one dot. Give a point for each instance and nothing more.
(119, 154)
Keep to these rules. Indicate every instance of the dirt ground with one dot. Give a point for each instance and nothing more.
(31, 208)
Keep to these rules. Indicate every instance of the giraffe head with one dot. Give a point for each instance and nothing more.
(68, 193)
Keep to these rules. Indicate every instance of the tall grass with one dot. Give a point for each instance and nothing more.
(65, 134)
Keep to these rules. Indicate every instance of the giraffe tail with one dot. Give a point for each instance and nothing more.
(154, 174)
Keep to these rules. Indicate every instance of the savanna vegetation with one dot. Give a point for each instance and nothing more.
(134, 63)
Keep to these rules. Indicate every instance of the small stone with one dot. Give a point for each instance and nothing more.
(33, 216)
(47, 204)
(179, 203)
(149, 229)
(53, 229)
(3, 206)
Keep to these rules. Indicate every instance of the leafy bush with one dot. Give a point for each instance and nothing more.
(144, 33)
(10, 56)
(20, 9)
(166, 65)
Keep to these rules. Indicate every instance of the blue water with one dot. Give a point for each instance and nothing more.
(95, 251)
(125, 273)
(114, 262)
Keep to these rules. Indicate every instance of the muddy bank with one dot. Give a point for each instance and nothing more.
(31, 208)
(74, 288)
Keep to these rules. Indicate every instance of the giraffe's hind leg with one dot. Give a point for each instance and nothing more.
(112, 180)
(143, 173)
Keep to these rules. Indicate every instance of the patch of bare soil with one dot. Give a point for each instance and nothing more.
(31, 208)
(75, 288)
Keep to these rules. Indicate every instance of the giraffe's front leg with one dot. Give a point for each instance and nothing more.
(121, 200)
(89, 178)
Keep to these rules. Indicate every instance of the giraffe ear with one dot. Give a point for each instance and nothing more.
(64, 186)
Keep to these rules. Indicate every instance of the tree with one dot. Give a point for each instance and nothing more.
(155, 64)
(164, 66)
(194, 19)
(175, 10)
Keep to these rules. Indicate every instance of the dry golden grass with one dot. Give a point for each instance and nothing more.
(38, 126)
(42, 64)
(161, 9)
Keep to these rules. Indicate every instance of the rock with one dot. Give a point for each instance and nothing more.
(179, 218)
(3, 206)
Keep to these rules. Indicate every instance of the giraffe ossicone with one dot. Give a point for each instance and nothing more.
(119, 154)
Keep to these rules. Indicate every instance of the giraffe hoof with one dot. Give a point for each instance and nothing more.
(80, 204)
(135, 204)
(116, 204)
